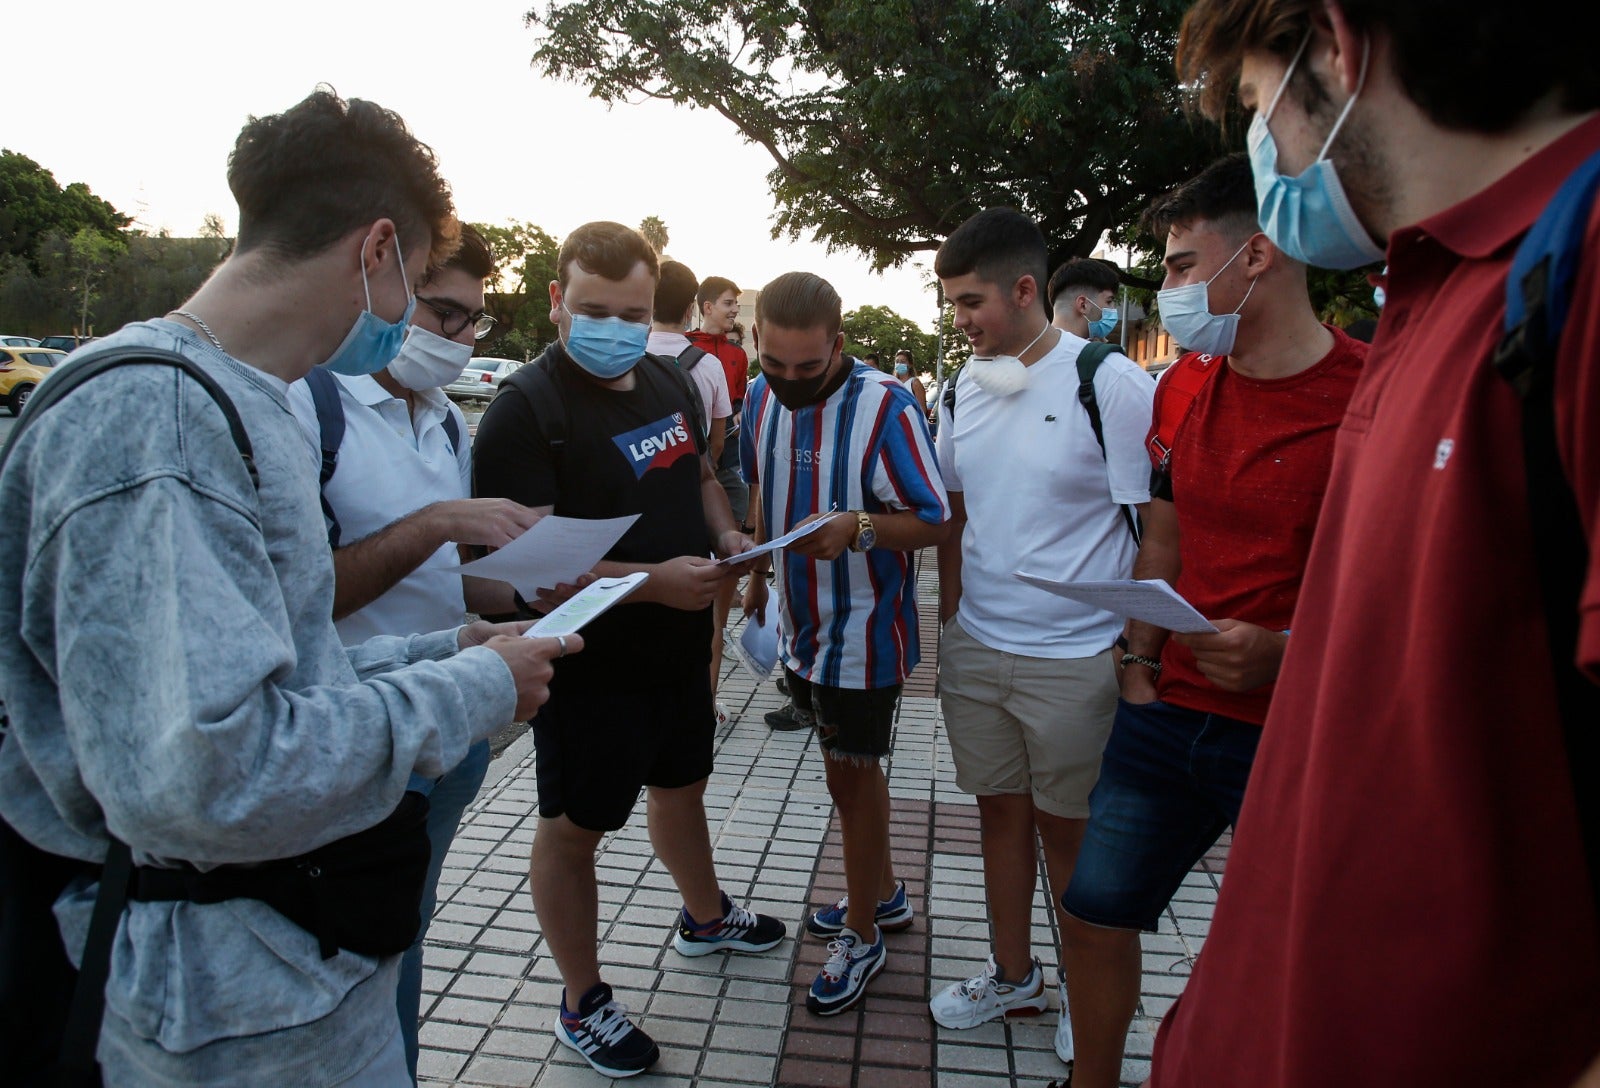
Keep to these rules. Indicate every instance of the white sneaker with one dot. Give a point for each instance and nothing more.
(725, 717)
(985, 997)
(1064, 1048)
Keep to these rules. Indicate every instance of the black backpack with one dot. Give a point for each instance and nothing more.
(1090, 357)
(50, 1013)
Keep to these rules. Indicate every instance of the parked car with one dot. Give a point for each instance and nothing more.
(482, 378)
(18, 342)
(21, 371)
(65, 343)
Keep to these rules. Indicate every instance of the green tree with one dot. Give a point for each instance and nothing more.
(880, 329)
(516, 296)
(655, 232)
(33, 205)
(891, 121)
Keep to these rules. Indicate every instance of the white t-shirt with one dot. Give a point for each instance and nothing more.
(1041, 498)
(708, 376)
(389, 466)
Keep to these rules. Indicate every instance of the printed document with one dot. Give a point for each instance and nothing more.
(585, 605)
(554, 551)
(1147, 599)
(783, 541)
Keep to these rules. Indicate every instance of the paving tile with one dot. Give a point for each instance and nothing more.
(485, 1069)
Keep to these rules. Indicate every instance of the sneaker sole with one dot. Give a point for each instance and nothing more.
(1013, 1012)
(695, 948)
(814, 1005)
(566, 1040)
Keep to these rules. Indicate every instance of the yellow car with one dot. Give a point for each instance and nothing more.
(21, 371)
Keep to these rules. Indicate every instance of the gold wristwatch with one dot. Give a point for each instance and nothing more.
(866, 535)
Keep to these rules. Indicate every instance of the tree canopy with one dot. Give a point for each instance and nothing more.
(880, 329)
(516, 296)
(891, 121)
(33, 205)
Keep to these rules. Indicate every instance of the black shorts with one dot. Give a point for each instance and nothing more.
(850, 721)
(595, 747)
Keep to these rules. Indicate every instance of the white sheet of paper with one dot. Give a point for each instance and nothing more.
(1147, 599)
(555, 550)
(783, 541)
(585, 605)
(757, 648)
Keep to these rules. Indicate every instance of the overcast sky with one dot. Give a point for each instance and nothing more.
(143, 102)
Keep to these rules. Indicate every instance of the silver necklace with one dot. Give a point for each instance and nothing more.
(201, 325)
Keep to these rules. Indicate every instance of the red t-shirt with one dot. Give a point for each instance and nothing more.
(735, 363)
(1249, 465)
(1407, 901)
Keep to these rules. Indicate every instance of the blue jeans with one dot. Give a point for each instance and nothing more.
(1171, 781)
(448, 798)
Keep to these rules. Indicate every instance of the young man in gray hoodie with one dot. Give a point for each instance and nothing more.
(176, 680)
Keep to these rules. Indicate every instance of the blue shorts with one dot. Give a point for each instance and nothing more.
(1171, 781)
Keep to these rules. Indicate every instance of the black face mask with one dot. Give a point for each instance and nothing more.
(797, 393)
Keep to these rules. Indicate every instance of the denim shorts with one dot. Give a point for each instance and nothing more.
(850, 722)
(1171, 781)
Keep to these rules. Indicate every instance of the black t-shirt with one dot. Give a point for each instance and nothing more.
(633, 452)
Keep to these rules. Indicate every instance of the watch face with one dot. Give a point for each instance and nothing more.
(866, 540)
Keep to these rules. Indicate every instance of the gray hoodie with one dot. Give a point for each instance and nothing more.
(176, 678)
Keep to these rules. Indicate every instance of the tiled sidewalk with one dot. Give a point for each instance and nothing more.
(492, 988)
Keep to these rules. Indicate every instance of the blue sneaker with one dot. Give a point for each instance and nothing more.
(738, 930)
(852, 963)
(893, 915)
(601, 1031)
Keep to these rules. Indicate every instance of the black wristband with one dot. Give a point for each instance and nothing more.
(1135, 659)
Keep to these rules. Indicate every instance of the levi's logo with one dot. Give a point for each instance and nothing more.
(656, 445)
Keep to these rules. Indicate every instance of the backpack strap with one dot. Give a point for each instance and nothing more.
(452, 431)
(697, 411)
(1089, 359)
(1538, 298)
(949, 394)
(536, 385)
(324, 389)
(691, 357)
(1174, 398)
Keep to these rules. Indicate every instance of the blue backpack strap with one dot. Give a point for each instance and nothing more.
(324, 389)
(452, 431)
(1538, 300)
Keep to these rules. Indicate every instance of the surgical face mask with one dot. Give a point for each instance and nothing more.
(607, 347)
(428, 360)
(1379, 297)
(1309, 217)
(373, 343)
(901, 370)
(1101, 327)
(1002, 375)
(1186, 314)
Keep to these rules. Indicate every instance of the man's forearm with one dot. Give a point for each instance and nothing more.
(716, 440)
(369, 568)
(718, 514)
(904, 531)
(488, 597)
(1158, 558)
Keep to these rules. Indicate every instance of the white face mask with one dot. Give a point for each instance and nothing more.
(1186, 314)
(428, 361)
(1002, 375)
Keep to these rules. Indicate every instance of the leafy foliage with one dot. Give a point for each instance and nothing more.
(891, 121)
(516, 296)
(33, 205)
(655, 232)
(880, 329)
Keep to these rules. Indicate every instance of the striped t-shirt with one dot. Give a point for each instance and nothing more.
(851, 623)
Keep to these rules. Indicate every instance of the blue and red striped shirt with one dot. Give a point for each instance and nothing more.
(851, 623)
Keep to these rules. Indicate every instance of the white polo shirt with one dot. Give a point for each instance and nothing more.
(1040, 497)
(391, 465)
(709, 377)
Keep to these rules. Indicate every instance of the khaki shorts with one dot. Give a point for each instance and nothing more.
(1026, 724)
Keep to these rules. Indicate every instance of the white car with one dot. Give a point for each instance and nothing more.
(481, 379)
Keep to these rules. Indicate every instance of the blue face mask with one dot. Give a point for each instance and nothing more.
(373, 343)
(1101, 327)
(607, 347)
(1309, 217)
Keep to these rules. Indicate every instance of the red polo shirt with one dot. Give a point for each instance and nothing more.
(1406, 901)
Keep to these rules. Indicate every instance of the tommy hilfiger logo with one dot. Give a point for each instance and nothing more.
(656, 445)
(1441, 452)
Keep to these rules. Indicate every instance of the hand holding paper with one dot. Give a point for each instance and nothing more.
(602, 595)
(554, 551)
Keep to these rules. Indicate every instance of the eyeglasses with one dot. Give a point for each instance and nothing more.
(452, 318)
